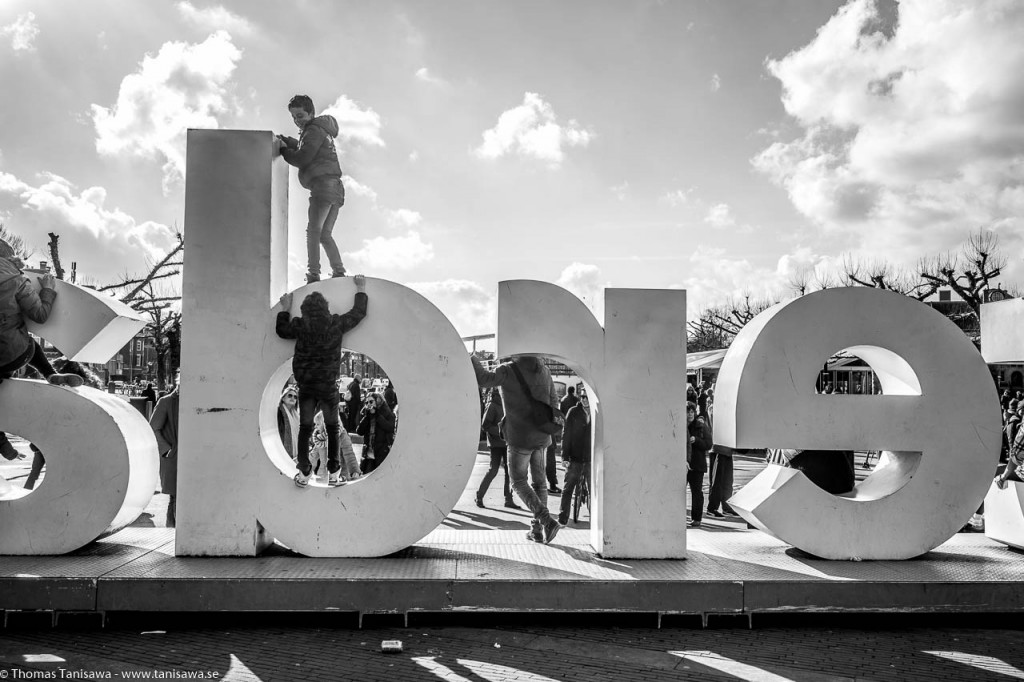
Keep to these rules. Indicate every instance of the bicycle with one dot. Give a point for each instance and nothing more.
(581, 496)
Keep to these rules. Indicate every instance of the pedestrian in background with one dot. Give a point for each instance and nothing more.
(576, 453)
(377, 427)
(164, 423)
(720, 488)
(493, 414)
(698, 443)
(288, 420)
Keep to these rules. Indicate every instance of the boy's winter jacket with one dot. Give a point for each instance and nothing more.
(317, 360)
(19, 300)
(314, 153)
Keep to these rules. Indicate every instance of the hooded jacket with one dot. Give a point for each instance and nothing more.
(520, 432)
(318, 336)
(19, 300)
(314, 153)
(576, 435)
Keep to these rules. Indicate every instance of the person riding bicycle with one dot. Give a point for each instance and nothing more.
(575, 452)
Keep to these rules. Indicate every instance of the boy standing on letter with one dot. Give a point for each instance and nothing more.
(319, 172)
(316, 364)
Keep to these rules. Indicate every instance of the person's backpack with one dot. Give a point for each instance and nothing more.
(544, 417)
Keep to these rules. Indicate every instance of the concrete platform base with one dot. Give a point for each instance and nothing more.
(737, 573)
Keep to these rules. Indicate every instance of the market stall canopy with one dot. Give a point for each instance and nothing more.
(707, 359)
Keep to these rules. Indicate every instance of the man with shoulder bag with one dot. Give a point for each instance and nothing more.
(528, 395)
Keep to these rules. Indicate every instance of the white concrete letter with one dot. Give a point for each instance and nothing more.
(939, 421)
(235, 481)
(101, 459)
(636, 366)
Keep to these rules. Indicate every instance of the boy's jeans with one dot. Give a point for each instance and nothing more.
(327, 399)
(325, 199)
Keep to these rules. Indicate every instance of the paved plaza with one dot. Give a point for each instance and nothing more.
(573, 651)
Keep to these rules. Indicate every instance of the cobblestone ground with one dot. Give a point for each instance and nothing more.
(516, 653)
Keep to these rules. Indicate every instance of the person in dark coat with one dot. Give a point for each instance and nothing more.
(316, 365)
(390, 397)
(377, 427)
(697, 445)
(830, 470)
(493, 415)
(164, 423)
(288, 420)
(149, 393)
(576, 452)
(354, 405)
(568, 402)
(720, 482)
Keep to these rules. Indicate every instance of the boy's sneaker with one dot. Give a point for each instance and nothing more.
(69, 380)
(335, 479)
(340, 272)
(301, 479)
(310, 278)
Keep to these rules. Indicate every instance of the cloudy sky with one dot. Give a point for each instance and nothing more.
(713, 146)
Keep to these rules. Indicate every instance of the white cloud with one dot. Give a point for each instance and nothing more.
(214, 18)
(102, 239)
(909, 138)
(720, 216)
(586, 282)
(620, 191)
(398, 253)
(404, 217)
(470, 308)
(677, 197)
(532, 130)
(715, 277)
(424, 74)
(355, 123)
(353, 186)
(184, 86)
(716, 82)
(414, 156)
(22, 32)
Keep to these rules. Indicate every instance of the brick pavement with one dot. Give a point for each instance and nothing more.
(506, 654)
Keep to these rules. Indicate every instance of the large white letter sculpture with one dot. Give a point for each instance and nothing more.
(1002, 340)
(636, 366)
(939, 421)
(235, 486)
(101, 459)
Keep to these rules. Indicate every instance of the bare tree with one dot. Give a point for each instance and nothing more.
(808, 279)
(144, 296)
(880, 274)
(717, 326)
(969, 273)
(165, 267)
